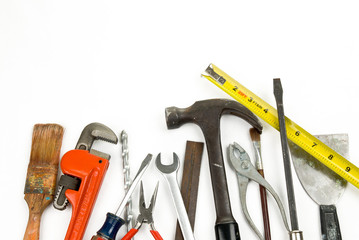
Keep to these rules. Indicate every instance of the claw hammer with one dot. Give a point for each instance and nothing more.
(83, 172)
(207, 114)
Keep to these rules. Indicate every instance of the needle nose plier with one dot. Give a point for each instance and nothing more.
(145, 216)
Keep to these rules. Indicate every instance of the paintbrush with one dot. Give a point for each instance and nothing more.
(256, 140)
(41, 174)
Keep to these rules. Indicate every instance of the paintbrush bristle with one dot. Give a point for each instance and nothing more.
(255, 135)
(46, 144)
(41, 174)
(44, 159)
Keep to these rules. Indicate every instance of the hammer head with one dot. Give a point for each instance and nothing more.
(207, 113)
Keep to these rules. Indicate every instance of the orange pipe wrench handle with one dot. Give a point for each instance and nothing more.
(91, 170)
(84, 170)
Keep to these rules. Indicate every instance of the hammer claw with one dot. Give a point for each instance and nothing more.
(207, 114)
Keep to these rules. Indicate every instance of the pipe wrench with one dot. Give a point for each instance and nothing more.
(83, 172)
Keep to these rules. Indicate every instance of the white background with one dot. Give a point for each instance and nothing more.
(122, 63)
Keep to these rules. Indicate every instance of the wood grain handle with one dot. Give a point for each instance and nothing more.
(37, 204)
(33, 226)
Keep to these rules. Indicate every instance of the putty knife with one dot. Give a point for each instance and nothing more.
(323, 185)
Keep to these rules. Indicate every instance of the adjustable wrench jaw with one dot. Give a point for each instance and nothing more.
(92, 132)
(84, 170)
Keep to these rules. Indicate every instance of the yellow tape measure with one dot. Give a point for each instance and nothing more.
(298, 135)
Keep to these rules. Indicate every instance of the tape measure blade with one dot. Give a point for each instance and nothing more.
(324, 154)
(295, 133)
(244, 96)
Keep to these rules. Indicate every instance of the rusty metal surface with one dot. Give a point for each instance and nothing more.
(190, 181)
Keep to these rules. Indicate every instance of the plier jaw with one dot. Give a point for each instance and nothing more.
(240, 160)
(145, 216)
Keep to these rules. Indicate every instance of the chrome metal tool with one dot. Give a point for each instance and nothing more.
(245, 170)
(170, 173)
(128, 216)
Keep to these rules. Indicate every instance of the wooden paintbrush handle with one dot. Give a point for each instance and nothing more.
(263, 193)
(37, 203)
(33, 227)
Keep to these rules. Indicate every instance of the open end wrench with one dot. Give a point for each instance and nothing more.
(170, 173)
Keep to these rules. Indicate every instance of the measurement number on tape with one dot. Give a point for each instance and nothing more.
(295, 133)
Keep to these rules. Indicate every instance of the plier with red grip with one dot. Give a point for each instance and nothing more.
(145, 216)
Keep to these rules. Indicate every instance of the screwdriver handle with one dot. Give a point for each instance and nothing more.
(110, 228)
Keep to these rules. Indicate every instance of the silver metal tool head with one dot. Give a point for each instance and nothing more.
(96, 131)
(145, 215)
(238, 157)
(246, 171)
(144, 165)
(167, 168)
(146, 212)
(154, 196)
(277, 89)
(323, 185)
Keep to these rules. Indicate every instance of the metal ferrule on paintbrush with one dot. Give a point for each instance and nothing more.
(257, 150)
